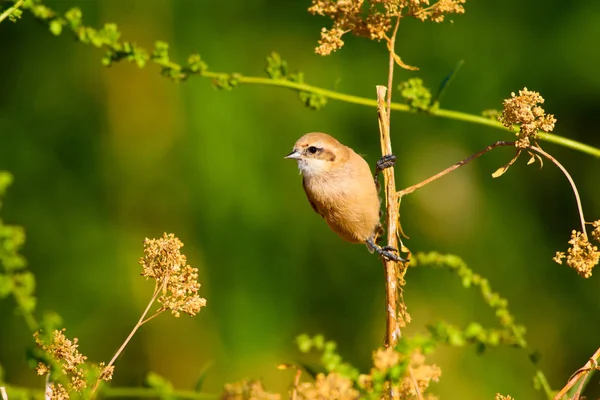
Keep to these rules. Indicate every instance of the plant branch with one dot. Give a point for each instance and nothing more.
(50, 16)
(133, 331)
(459, 164)
(579, 374)
(392, 333)
(569, 178)
(11, 9)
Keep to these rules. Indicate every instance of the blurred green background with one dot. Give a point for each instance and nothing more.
(105, 157)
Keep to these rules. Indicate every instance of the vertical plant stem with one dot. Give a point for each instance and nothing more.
(392, 332)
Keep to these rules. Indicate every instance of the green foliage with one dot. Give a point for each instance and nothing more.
(331, 360)
(417, 96)
(277, 69)
(13, 278)
(162, 386)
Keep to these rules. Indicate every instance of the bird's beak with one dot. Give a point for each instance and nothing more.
(294, 155)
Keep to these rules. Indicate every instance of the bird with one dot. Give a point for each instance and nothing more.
(340, 188)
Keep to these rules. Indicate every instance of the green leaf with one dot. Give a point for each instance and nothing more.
(202, 375)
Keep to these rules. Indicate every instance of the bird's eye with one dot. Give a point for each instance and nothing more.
(312, 149)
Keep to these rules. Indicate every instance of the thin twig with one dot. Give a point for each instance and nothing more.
(414, 381)
(137, 326)
(391, 46)
(10, 10)
(581, 372)
(296, 383)
(566, 173)
(3, 393)
(459, 164)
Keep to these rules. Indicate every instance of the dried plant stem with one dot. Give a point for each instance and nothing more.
(568, 176)
(3, 393)
(459, 164)
(582, 372)
(296, 383)
(414, 381)
(11, 9)
(392, 332)
(141, 321)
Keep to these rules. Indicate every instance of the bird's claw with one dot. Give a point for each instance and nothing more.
(386, 252)
(386, 161)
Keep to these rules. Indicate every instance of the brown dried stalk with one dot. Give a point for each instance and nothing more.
(392, 331)
(459, 164)
(580, 374)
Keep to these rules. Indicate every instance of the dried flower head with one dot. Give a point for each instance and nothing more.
(373, 18)
(500, 397)
(56, 391)
(106, 373)
(413, 382)
(178, 281)
(384, 359)
(419, 374)
(66, 354)
(327, 387)
(524, 110)
(581, 256)
(596, 231)
(247, 390)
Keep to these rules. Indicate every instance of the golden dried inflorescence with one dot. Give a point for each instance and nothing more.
(247, 390)
(330, 386)
(56, 391)
(525, 110)
(65, 353)
(414, 382)
(178, 281)
(373, 19)
(581, 255)
(596, 231)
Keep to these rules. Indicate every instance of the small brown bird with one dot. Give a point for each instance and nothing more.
(341, 189)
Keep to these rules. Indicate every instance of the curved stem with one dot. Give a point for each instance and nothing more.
(569, 178)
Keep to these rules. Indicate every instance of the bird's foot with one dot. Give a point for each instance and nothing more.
(386, 161)
(387, 252)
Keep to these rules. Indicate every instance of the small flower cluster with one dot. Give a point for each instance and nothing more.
(524, 110)
(330, 386)
(582, 255)
(373, 19)
(414, 378)
(65, 353)
(178, 281)
(501, 397)
(247, 390)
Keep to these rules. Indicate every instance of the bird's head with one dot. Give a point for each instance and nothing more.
(318, 153)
